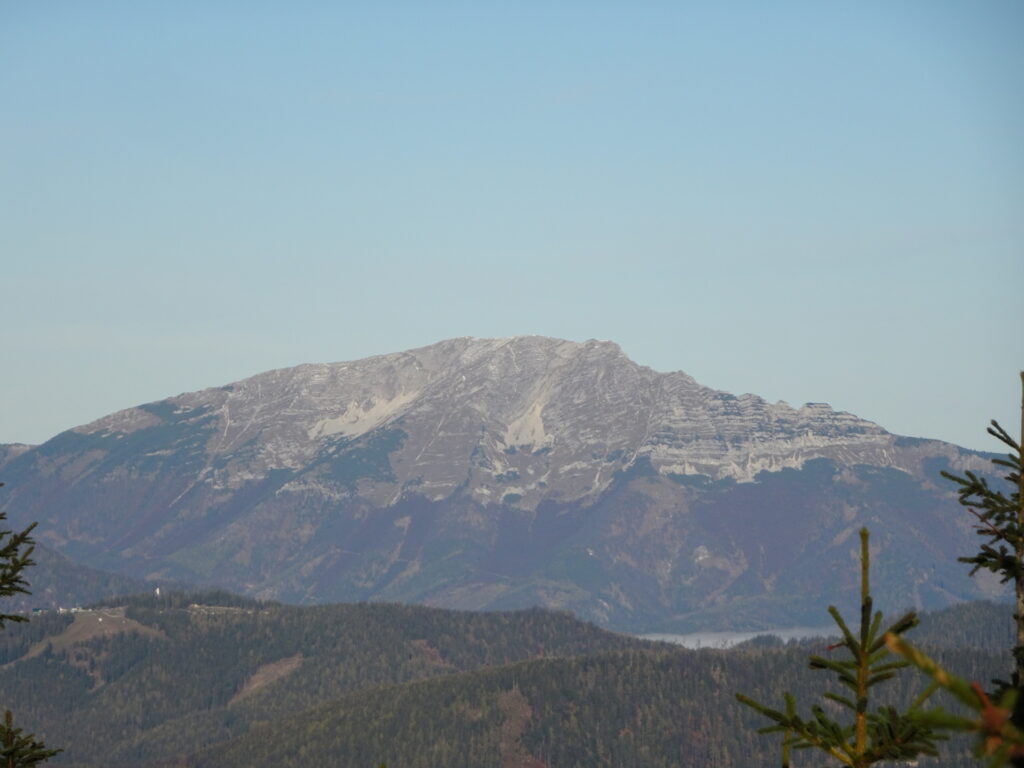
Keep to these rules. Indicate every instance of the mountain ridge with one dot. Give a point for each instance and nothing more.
(402, 380)
(496, 473)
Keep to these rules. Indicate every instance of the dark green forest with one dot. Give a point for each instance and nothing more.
(212, 679)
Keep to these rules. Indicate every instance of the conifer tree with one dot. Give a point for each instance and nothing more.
(998, 716)
(17, 750)
(15, 556)
(20, 751)
(1000, 519)
(870, 737)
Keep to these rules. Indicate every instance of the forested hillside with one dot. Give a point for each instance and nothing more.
(666, 708)
(218, 680)
(157, 677)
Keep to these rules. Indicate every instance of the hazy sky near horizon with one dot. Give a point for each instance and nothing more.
(807, 201)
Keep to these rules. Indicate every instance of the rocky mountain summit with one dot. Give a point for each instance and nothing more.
(530, 416)
(492, 473)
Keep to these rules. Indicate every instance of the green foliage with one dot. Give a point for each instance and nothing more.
(1000, 517)
(998, 739)
(15, 556)
(998, 513)
(16, 748)
(997, 718)
(868, 738)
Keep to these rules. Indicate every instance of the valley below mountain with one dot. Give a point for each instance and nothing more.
(212, 680)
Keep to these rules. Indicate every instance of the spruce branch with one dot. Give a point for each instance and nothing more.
(998, 739)
(884, 735)
(17, 749)
(1000, 523)
(20, 750)
(15, 556)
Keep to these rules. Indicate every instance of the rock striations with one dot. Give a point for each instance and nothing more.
(493, 472)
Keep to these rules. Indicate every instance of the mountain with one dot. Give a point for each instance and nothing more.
(503, 473)
(56, 580)
(10, 451)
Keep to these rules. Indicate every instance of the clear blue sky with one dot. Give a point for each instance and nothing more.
(809, 201)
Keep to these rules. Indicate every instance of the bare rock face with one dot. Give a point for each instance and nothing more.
(530, 416)
(476, 473)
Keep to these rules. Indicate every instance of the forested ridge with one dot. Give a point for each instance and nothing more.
(666, 708)
(216, 680)
(204, 668)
